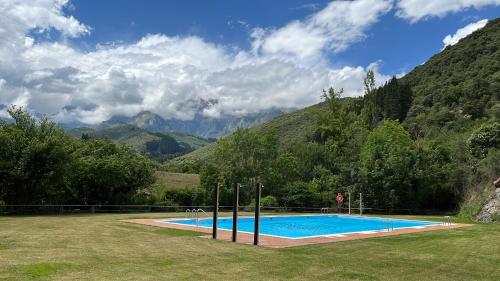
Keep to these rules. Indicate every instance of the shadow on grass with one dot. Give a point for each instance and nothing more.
(349, 275)
(41, 270)
(3, 246)
(177, 232)
(160, 230)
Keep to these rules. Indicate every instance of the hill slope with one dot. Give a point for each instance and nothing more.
(293, 127)
(460, 83)
(158, 146)
(456, 87)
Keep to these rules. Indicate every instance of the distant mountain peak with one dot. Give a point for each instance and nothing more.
(200, 125)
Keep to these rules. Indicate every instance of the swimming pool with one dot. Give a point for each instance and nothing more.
(306, 226)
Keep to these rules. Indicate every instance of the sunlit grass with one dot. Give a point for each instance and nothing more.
(102, 247)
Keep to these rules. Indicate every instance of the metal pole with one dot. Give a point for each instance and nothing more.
(349, 203)
(258, 188)
(216, 211)
(236, 195)
(360, 204)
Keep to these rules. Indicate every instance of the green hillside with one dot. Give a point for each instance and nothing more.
(430, 139)
(293, 127)
(158, 146)
(455, 89)
(459, 84)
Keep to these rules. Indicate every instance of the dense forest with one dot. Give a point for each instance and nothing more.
(429, 140)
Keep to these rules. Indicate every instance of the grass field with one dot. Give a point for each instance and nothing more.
(177, 180)
(101, 247)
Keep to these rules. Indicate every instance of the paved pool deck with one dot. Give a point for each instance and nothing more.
(278, 242)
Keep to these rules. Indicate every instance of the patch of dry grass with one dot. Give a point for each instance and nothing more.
(177, 180)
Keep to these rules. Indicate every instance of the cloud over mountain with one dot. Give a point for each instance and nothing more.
(181, 76)
(463, 32)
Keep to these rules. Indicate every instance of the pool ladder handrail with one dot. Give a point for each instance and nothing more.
(447, 221)
(201, 210)
(194, 214)
(387, 225)
(325, 210)
(190, 212)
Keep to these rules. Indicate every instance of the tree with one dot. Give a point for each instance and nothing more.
(387, 160)
(34, 160)
(331, 122)
(245, 156)
(283, 170)
(106, 173)
(40, 164)
(210, 177)
(369, 82)
(484, 138)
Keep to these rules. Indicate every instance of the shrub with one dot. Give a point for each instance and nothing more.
(495, 217)
(269, 201)
(484, 138)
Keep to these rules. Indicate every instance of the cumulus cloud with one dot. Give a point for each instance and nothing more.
(416, 10)
(175, 77)
(463, 32)
(335, 27)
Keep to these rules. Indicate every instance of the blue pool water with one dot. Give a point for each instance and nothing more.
(307, 226)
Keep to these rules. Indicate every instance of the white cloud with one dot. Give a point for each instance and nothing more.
(18, 17)
(175, 77)
(335, 27)
(416, 10)
(349, 78)
(463, 32)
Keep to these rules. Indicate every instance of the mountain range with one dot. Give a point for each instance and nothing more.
(206, 127)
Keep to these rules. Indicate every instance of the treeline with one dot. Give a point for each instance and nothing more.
(40, 164)
(358, 145)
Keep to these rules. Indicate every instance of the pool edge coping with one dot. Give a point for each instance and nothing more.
(285, 242)
(431, 223)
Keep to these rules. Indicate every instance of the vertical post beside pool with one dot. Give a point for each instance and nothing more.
(236, 196)
(216, 211)
(349, 203)
(258, 191)
(360, 204)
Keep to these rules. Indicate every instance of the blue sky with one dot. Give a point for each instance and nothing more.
(87, 60)
(399, 44)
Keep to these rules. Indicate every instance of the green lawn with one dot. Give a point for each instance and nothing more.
(100, 247)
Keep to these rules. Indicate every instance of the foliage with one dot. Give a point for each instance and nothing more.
(281, 171)
(301, 194)
(245, 157)
(291, 128)
(34, 160)
(426, 140)
(40, 164)
(185, 196)
(484, 138)
(269, 201)
(460, 84)
(392, 101)
(387, 160)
